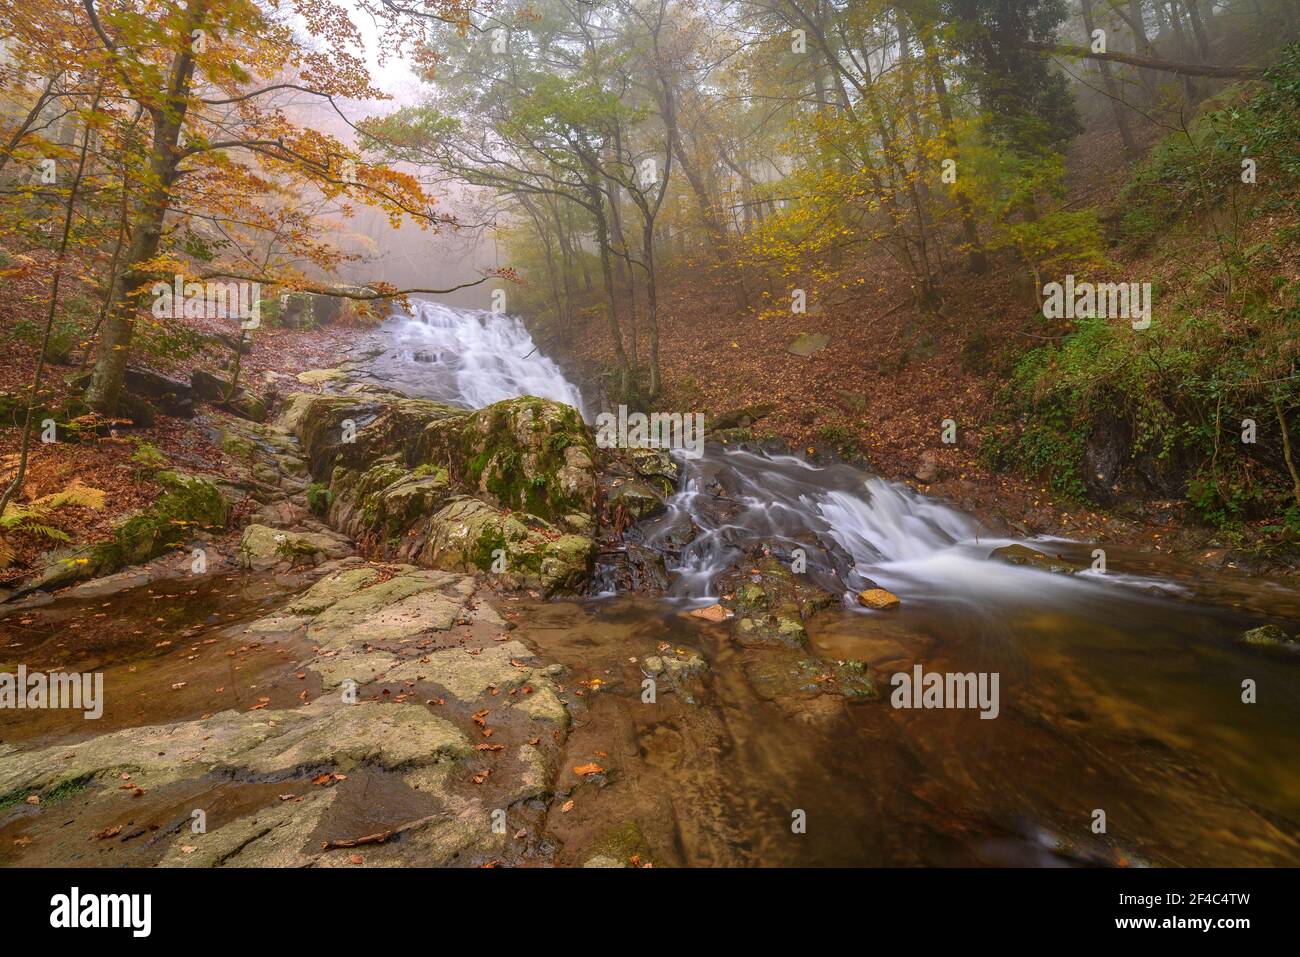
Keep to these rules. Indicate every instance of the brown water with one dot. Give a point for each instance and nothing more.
(1136, 712)
(1119, 692)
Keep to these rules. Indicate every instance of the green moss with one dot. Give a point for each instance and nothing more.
(623, 842)
(428, 469)
(188, 502)
(60, 792)
(237, 446)
(319, 498)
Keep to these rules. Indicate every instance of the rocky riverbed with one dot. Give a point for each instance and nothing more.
(404, 632)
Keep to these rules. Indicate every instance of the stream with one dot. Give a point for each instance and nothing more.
(1120, 691)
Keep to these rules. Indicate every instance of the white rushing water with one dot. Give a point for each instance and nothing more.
(467, 357)
(858, 528)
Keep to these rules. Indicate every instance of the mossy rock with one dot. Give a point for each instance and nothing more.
(527, 454)
(188, 504)
(263, 547)
(387, 501)
(524, 550)
(638, 499)
(321, 376)
(775, 675)
(772, 603)
(621, 844)
(381, 425)
(1268, 636)
(237, 446)
(1027, 557)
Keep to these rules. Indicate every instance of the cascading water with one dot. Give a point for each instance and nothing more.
(466, 357)
(854, 529)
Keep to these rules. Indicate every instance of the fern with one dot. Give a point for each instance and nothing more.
(28, 519)
(74, 494)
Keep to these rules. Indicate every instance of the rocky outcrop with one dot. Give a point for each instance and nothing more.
(419, 697)
(508, 490)
(527, 454)
(771, 604)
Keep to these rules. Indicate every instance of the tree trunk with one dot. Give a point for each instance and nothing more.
(1112, 89)
(977, 260)
(596, 195)
(1198, 28)
(129, 291)
(16, 486)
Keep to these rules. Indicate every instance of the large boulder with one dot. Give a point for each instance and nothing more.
(262, 547)
(170, 396)
(509, 489)
(213, 388)
(387, 503)
(357, 429)
(527, 454)
(523, 550)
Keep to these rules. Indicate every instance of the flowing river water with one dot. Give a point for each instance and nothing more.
(1119, 692)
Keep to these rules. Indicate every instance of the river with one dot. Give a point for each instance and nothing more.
(1120, 691)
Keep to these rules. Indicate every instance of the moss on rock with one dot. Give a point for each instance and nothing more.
(524, 550)
(771, 604)
(527, 454)
(189, 503)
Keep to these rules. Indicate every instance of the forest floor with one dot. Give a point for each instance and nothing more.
(106, 461)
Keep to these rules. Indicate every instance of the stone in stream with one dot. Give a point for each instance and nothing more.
(1269, 636)
(1031, 558)
(878, 599)
(637, 499)
(771, 603)
(509, 489)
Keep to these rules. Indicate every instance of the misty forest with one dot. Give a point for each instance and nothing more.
(647, 433)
